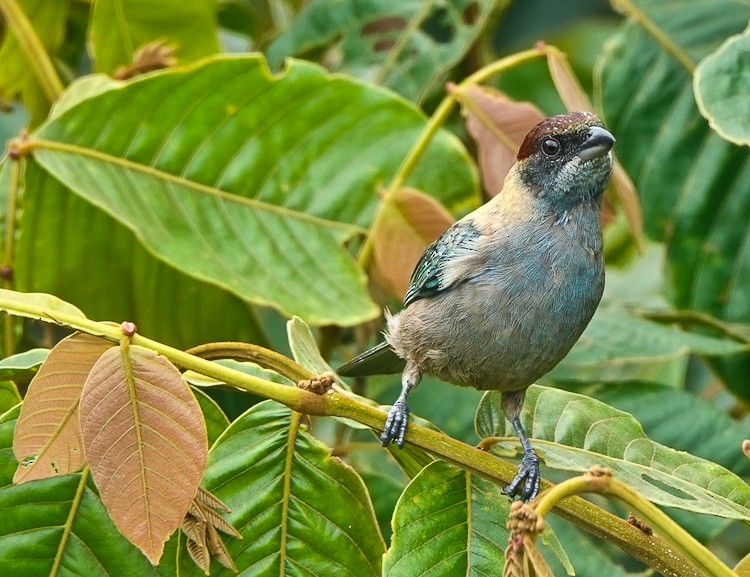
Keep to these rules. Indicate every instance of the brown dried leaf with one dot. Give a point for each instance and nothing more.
(498, 125)
(572, 94)
(152, 56)
(194, 529)
(532, 553)
(220, 523)
(208, 499)
(145, 440)
(566, 82)
(47, 440)
(624, 190)
(410, 221)
(218, 550)
(199, 553)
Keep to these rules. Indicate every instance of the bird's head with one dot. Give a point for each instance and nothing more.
(565, 160)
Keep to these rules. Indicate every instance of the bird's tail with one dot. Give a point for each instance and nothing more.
(379, 360)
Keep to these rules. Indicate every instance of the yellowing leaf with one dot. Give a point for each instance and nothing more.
(498, 125)
(411, 220)
(145, 442)
(47, 440)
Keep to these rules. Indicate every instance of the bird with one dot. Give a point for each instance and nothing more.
(501, 297)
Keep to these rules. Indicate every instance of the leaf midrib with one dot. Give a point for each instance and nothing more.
(105, 158)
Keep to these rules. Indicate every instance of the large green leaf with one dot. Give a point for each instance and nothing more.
(119, 27)
(59, 525)
(300, 510)
(248, 181)
(618, 346)
(448, 522)
(681, 420)
(407, 45)
(109, 273)
(216, 420)
(694, 185)
(573, 432)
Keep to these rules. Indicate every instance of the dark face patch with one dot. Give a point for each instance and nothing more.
(563, 162)
(557, 126)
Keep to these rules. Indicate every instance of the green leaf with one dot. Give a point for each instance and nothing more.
(119, 27)
(573, 432)
(17, 75)
(721, 84)
(22, 365)
(214, 208)
(681, 420)
(694, 185)
(122, 279)
(305, 350)
(46, 304)
(34, 540)
(81, 89)
(9, 396)
(216, 420)
(8, 463)
(618, 346)
(448, 522)
(408, 45)
(299, 509)
(199, 380)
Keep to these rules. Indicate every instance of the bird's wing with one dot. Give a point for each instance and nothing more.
(441, 263)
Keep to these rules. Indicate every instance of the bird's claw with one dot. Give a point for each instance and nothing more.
(395, 425)
(529, 475)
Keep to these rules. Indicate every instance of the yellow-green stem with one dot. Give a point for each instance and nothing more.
(32, 46)
(684, 543)
(437, 119)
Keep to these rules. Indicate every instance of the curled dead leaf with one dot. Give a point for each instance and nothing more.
(148, 58)
(200, 525)
(498, 125)
(410, 221)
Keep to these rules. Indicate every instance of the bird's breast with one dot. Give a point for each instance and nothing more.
(511, 321)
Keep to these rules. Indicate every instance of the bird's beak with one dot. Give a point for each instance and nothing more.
(598, 143)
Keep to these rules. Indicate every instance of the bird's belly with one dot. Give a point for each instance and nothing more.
(487, 336)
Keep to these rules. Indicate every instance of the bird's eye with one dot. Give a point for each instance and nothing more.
(551, 147)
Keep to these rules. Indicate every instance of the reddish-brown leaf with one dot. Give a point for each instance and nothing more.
(410, 221)
(566, 82)
(145, 442)
(498, 125)
(47, 440)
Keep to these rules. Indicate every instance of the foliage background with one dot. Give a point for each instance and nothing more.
(303, 156)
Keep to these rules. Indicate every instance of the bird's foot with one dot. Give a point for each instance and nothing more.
(529, 475)
(395, 425)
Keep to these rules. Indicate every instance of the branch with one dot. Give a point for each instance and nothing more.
(651, 550)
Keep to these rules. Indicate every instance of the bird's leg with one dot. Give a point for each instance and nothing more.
(528, 469)
(398, 416)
